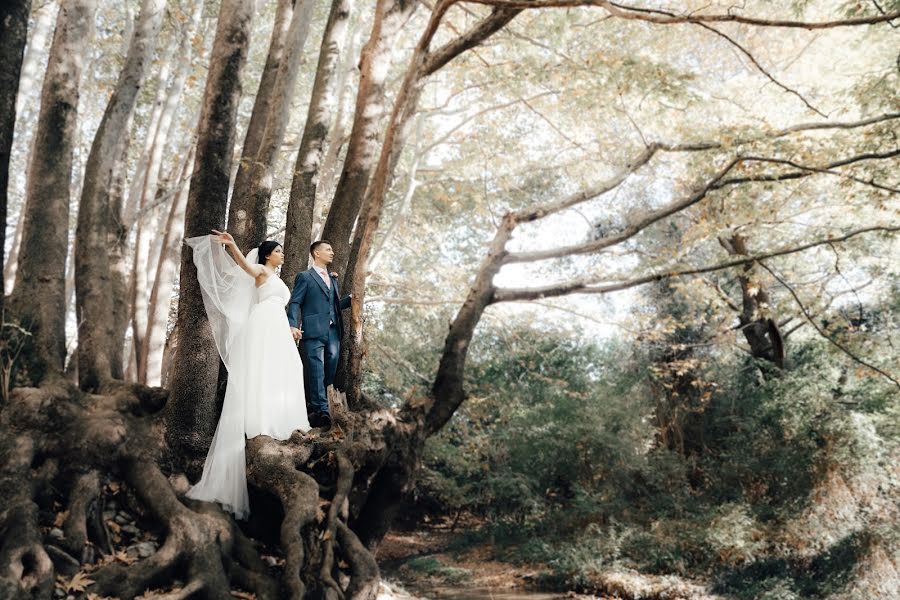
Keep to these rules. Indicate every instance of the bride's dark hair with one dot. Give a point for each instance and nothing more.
(265, 249)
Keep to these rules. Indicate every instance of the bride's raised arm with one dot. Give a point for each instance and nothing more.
(223, 237)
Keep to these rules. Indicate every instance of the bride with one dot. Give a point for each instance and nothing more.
(245, 305)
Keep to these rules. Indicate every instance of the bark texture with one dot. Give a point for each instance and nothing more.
(26, 115)
(13, 36)
(99, 239)
(39, 299)
(298, 231)
(191, 416)
(242, 214)
(253, 184)
(362, 148)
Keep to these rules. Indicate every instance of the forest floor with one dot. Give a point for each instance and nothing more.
(437, 563)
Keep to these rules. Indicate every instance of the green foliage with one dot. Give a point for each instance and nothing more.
(558, 450)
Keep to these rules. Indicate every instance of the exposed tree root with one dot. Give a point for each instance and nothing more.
(26, 570)
(83, 509)
(60, 448)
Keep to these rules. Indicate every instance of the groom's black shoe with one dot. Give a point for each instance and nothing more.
(320, 419)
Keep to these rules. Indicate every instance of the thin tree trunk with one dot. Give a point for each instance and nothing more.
(147, 225)
(100, 288)
(26, 116)
(253, 183)
(329, 173)
(406, 203)
(154, 340)
(39, 298)
(9, 267)
(423, 64)
(13, 36)
(191, 410)
(298, 230)
(390, 17)
(239, 211)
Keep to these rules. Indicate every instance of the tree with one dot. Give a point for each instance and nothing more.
(390, 17)
(271, 111)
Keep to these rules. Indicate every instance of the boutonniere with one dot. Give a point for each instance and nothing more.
(333, 274)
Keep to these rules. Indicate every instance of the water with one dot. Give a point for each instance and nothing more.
(487, 594)
(454, 593)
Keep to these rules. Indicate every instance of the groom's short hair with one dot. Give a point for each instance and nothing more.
(316, 244)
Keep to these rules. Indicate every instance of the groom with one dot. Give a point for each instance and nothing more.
(314, 313)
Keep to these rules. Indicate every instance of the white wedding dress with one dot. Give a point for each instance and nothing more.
(265, 394)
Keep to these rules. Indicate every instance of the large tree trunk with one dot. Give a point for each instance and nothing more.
(39, 299)
(148, 220)
(253, 183)
(240, 210)
(13, 36)
(390, 17)
(99, 288)
(298, 229)
(191, 415)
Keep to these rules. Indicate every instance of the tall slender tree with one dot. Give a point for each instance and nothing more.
(146, 225)
(362, 147)
(99, 287)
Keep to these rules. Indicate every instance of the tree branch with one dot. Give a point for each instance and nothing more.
(497, 20)
(822, 333)
(755, 62)
(623, 11)
(642, 159)
(588, 285)
(806, 170)
(716, 183)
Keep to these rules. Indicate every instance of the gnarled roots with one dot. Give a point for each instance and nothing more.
(64, 455)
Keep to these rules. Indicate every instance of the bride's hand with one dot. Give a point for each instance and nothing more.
(223, 237)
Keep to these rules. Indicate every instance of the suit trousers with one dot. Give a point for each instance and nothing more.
(323, 354)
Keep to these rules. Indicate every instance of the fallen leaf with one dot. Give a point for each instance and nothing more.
(79, 582)
(123, 557)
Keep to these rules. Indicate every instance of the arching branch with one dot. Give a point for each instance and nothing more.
(635, 13)
(590, 285)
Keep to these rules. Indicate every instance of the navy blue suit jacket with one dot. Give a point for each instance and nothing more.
(307, 309)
